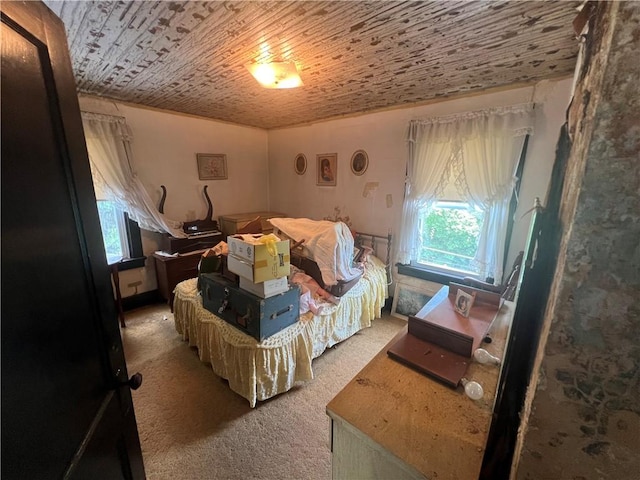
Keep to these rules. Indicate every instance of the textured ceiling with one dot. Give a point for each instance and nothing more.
(353, 56)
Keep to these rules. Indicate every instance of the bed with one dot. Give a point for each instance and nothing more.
(260, 370)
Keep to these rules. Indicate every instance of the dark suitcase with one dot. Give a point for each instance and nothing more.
(255, 316)
(312, 269)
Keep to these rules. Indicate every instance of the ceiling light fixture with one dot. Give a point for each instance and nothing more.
(276, 74)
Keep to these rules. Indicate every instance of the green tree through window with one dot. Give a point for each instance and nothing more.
(449, 234)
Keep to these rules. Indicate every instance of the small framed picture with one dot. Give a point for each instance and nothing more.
(359, 162)
(464, 301)
(409, 299)
(300, 164)
(212, 166)
(327, 169)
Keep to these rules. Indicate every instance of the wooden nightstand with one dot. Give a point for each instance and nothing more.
(172, 270)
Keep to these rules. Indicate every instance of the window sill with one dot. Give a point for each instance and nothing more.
(429, 275)
(131, 263)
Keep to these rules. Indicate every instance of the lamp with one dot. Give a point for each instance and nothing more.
(276, 74)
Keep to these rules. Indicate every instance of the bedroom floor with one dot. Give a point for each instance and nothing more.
(192, 425)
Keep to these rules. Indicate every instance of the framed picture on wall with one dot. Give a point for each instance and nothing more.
(212, 166)
(359, 162)
(409, 299)
(327, 169)
(300, 164)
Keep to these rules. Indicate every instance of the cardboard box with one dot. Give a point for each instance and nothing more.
(230, 224)
(248, 247)
(253, 260)
(265, 289)
(265, 269)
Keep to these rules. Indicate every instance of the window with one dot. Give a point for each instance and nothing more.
(449, 234)
(121, 236)
(469, 157)
(114, 231)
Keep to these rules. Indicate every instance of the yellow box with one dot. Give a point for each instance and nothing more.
(253, 260)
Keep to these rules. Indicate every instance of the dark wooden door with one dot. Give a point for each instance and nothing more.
(66, 405)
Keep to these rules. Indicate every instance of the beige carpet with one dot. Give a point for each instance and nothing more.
(192, 426)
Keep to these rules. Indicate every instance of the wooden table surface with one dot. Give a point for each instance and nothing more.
(437, 430)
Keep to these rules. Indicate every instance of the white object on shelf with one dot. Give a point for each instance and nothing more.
(473, 390)
(482, 356)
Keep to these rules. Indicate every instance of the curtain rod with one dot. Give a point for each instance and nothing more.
(102, 116)
(517, 108)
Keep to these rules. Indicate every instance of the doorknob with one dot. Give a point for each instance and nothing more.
(134, 382)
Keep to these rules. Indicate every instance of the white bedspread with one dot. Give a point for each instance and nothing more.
(330, 245)
(261, 370)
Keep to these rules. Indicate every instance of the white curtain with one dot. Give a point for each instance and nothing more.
(480, 152)
(425, 179)
(108, 144)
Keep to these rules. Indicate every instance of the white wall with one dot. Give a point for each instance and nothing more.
(164, 152)
(261, 171)
(382, 136)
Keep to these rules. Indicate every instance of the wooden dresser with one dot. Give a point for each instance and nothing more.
(172, 270)
(391, 421)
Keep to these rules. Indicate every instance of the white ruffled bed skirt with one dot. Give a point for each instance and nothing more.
(261, 370)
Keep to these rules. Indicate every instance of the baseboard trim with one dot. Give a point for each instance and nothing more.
(142, 300)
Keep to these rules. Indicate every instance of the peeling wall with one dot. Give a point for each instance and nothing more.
(585, 412)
